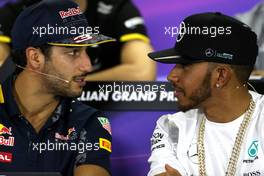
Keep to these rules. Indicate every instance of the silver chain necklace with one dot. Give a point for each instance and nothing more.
(231, 169)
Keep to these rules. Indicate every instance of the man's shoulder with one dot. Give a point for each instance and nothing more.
(115, 4)
(190, 114)
(84, 112)
(90, 118)
(259, 102)
(80, 109)
(257, 98)
(179, 119)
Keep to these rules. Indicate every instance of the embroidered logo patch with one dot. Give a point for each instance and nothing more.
(7, 142)
(63, 137)
(5, 157)
(105, 123)
(105, 144)
(5, 130)
(253, 149)
(70, 12)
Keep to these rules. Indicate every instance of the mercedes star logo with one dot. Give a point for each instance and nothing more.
(209, 52)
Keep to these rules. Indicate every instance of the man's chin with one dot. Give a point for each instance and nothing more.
(73, 94)
(76, 94)
(75, 91)
(185, 107)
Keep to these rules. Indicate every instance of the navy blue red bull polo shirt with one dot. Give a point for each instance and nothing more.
(74, 135)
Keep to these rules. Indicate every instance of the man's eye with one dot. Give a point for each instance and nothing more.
(74, 52)
(185, 65)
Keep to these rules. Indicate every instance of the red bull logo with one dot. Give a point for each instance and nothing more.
(5, 130)
(5, 157)
(7, 142)
(65, 138)
(71, 130)
(82, 38)
(70, 12)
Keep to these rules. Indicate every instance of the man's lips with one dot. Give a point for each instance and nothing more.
(80, 80)
(178, 91)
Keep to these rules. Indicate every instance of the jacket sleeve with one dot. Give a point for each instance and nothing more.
(96, 137)
(163, 148)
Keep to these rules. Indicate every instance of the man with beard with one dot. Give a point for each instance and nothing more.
(43, 128)
(9, 10)
(220, 128)
(119, 19)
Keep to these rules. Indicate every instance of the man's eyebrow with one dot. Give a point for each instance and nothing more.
(72, 47)
(75, 47)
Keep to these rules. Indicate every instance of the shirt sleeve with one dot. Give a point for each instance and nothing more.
(130, 24)
(96, 136)
(163, 150)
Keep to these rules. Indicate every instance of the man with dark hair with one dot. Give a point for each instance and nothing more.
(43, 128)
(219, 128)
(119, 19)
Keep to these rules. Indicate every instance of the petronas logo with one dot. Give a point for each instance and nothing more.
(253, 149)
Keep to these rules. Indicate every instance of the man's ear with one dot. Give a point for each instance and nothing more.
(35, 58)
(223, 74)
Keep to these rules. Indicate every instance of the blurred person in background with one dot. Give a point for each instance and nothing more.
(254, 18)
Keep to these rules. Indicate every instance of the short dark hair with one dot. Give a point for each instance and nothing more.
(242, 72)
(19, 56)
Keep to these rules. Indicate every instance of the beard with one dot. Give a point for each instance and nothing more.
(199, 95)
(55, 86)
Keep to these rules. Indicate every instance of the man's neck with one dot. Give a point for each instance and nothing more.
(34, 104)
(227, 107)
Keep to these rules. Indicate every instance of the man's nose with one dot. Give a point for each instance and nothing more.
(174, 74)
(86, 65)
